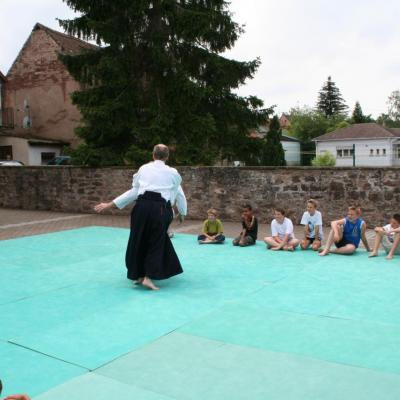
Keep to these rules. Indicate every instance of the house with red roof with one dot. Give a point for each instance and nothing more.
(363, 145)
(37, 115)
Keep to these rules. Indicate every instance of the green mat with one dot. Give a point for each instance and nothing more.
(238, 324)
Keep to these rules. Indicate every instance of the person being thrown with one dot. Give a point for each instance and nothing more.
(346, 234)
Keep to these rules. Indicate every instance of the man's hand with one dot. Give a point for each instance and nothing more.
(103, 206)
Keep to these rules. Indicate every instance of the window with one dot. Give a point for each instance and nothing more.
(398, 151)
(377, 152)
(384, 152)
(345, 152)
(371, 152)
(6, 153)
(47, 156)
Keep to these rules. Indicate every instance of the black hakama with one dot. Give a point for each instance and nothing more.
(150, 251)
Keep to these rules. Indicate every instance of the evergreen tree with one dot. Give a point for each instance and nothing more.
(358, 117)
(158, 76)
(273, 152)
(330, 101)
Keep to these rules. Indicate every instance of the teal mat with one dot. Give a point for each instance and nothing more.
(65, 299)
(187, 367)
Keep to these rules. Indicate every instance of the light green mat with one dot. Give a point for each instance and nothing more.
(66, 295)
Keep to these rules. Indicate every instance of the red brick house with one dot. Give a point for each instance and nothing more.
(36, 106)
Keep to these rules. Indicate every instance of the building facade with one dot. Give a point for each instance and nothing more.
(36, 99)
(362, 145)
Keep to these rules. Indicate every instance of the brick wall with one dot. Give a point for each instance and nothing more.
(76, 189)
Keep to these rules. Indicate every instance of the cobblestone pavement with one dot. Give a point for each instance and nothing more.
(18, 223)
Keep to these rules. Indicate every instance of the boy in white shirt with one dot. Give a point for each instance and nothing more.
(282, 233)
(312, 221)
(389, 236)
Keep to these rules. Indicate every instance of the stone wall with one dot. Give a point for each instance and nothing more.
(77, 189)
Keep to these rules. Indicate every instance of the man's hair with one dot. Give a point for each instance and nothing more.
(160, 152)
(212, 211)
(396, 217)
(280, 210)
(247, 207)
(313, 202)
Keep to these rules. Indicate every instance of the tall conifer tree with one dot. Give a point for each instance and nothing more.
(274, 154)
(330, 101)
(158, 76)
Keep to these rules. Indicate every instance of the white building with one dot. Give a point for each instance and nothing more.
(291, 146)
(362, 145)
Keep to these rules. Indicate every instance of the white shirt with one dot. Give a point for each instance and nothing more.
(387, 228)
(283, 229)
(155, 177)
(312, 221)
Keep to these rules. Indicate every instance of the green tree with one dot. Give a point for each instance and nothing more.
(273, 153)
(358, 117)
(158, 76)
(394, 106)
(307, 124)
(330, 101)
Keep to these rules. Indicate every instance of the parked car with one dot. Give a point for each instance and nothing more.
(60, 160)
(11, 163)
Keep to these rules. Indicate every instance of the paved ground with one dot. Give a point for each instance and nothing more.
(19, 223)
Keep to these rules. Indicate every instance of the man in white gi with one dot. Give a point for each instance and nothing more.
(155, 187)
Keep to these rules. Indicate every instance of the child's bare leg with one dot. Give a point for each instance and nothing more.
(396, 243)
(316, 245)
(292, 244)
(378, 241)
(271, 242)
(305, 244)
(348, 249)
(329, 243)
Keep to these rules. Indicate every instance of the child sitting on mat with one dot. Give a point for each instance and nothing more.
(312, 221)
(212, 229)
(282, 233)
(248, 235)
(389, 236)
(347, 233)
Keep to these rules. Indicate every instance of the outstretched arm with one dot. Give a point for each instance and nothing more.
(364, 236)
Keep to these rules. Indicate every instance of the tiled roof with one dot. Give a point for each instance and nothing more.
(69, 44)
(2, 77)
(359, 131)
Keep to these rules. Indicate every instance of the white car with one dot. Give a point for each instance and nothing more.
(11, 163)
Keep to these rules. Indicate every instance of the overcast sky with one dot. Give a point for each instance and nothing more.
(300, 44)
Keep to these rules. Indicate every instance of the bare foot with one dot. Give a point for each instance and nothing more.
(139, 281)
(290, 248)
(373, 254)
(389, 257)
(147, 282)
(275, 248)
(323, 253)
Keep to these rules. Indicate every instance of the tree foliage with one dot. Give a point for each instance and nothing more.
(159, 76)
(273, 154)
(358, 116)
(330, 101)
(394, 106)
